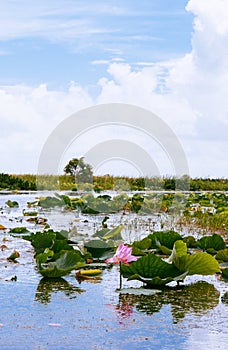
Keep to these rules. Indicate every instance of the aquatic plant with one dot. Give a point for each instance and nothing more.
(123, 255)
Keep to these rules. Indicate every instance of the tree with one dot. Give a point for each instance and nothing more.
(81, 171)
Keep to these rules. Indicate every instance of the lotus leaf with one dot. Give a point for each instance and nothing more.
(179, 249)
(51, 202)
(42, 240)
(113, 233)
(68, 261)
(225, 273)
(165, 238)
(150, 269)
(197, 264)
(144, 244)
(12, 204)
(19, 230)
(215, 241)
(97, 247)
(107, 233)
(222, 255)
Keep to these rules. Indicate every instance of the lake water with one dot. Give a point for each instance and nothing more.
(64, 314)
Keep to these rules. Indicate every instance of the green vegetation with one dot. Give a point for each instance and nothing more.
(11, 182)
(163, 256)
(107, 182)
(79, 170)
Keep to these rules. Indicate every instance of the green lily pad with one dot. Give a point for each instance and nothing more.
(97, 247)
(225, 273)
(215, 241)
(197, 264)
(51, 202)
(113, 233)
(222, 255)
(30, 213)
(144, 244)
(150, 269)
(179, 249)
(19, 230)
(68, 261)
(12, 204)
(42, 240)
(164, 238)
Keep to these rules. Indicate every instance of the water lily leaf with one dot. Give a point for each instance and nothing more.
(19, 230)
(215, 241)
(69, 260)
(30, 213)
(97, 247)
(225, 273)
(199, 264)
(222, 255)
(12, 204)
(179, 249)
(164, 249)
(101, 233)
(61, 244)
(51, 202)
(190, 241)
(137, 252)
(43, 257)
(144, 244)
(113, 233)
(155, 281)
(165, 238)
(152, 269)
(42, 240)
(61, 234)
(14, 256)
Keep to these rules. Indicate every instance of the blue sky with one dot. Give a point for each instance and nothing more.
(60, 56)
(55, 42)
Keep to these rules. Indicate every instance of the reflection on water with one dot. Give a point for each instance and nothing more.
(195, 299)
(225, 298)
(47, 287)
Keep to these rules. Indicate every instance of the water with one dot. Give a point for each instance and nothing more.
(36, 314)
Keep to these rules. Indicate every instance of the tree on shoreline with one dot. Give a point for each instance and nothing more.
(81, 171)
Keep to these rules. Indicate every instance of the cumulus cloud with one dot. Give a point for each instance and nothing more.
(27, 117)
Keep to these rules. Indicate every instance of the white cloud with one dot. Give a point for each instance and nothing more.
(211, 16)
(189, 94)
(100, 62)
(52, 20)
(27, 116)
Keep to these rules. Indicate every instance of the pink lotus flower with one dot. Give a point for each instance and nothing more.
(122, 255)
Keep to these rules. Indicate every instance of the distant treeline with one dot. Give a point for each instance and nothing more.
(10, 182)
(108, 182)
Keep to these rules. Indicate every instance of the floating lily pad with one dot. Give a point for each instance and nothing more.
(97, 247)
(69, 260)
(150, 269)
(19, 230)
(12, 204)
(197, 264)
(215, 241)
(14, 256)
(164, 238)
(222, 255)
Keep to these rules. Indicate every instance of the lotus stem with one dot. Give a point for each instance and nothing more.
(120, 276)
